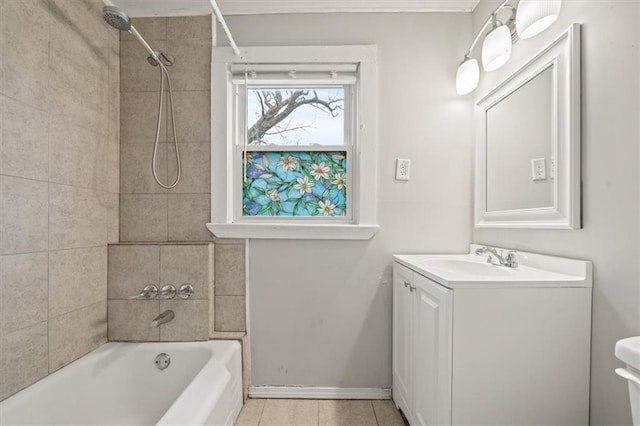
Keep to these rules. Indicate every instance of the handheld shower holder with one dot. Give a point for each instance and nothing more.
(166, 59)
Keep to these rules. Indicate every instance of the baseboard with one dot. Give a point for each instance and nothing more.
(304, 392)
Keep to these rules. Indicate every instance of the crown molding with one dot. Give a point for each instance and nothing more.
(474, 4)
(150, 8)
(257, 7)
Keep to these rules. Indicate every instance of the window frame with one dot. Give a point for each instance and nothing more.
(226, 201)
(349, 122)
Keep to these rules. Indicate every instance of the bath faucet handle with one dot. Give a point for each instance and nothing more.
(511, 260)
(149, 292)
(167, 292)
(185, 291)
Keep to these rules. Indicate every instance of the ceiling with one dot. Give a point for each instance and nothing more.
(139, 8)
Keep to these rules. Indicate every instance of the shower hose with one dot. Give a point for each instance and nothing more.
(165, 74)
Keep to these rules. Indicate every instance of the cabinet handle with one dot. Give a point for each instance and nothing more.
(408, 284)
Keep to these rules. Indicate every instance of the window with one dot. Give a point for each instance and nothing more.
(293, 133)
(294, 141)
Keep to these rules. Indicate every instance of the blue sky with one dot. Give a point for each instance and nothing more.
(320, 127)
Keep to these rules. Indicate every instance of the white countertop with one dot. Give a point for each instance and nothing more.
(473, 271)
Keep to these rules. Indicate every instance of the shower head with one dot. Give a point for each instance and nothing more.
(121, 21)
(116, 18)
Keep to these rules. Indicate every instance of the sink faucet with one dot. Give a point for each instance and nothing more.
(163, 318)
(509, 261)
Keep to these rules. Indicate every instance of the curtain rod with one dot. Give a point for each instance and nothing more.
(218, 14)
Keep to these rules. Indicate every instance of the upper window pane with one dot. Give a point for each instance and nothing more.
(303, 116)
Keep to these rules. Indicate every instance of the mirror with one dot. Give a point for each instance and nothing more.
(528, 143)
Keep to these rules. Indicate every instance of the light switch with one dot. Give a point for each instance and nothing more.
(402, 169)
(538, 169)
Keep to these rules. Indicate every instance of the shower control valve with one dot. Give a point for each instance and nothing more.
(167, 292)
(149, 292)
(185, 291)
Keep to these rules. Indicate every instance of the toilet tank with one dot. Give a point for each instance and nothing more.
(628, 351)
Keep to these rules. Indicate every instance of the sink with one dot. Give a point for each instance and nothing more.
(471, 270)
(468, 266)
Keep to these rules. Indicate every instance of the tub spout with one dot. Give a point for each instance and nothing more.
(163, 318)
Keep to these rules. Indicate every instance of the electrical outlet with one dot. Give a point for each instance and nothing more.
(402, 169)
(552, 168)
(538, 169)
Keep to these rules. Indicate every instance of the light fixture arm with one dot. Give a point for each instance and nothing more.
(491, 19)
(494, 20)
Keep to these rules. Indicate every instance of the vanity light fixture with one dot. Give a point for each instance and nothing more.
(535, 16)
(496, 47)
(468, 76)
(531, 18)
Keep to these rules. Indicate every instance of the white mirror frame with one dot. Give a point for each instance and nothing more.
(563, 56)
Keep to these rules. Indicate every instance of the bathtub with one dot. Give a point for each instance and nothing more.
(120, 384)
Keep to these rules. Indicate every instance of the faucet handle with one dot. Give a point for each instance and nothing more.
(149, 292)
(185, 291)
(167, 292)
(511, 260)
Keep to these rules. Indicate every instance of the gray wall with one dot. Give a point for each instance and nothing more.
(59, 115)
(320, 312)
(610, 141)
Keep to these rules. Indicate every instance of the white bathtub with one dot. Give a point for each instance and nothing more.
(119, 384)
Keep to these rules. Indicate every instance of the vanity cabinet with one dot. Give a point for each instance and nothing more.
(490, 353)
(403, 311)
(421, 348)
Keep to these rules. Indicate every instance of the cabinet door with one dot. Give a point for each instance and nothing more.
(432, 353)
(403, 310)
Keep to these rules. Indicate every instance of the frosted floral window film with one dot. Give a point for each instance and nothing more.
(295, 184)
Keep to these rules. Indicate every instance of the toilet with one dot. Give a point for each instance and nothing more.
(628, 351)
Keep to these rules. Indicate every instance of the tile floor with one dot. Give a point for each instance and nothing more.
(311, 412)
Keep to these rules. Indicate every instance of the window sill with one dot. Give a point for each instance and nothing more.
(293, 231)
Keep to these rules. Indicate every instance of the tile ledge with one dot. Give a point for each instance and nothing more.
(162, 243)
(227, 335)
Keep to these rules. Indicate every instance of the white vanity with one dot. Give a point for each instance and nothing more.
(475, 343)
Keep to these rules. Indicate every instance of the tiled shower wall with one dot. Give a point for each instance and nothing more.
(149, 213)
(133, 266)
(59, 133)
